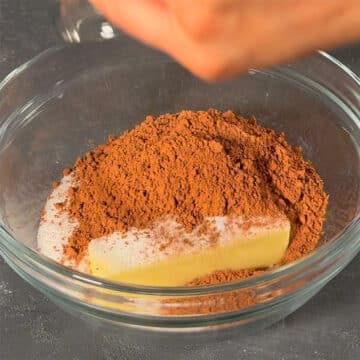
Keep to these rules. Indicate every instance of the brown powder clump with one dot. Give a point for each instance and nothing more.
(192, 165)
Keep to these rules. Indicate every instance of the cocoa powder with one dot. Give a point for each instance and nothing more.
(192, 165)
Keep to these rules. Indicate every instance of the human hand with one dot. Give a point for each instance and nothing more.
(219, 38)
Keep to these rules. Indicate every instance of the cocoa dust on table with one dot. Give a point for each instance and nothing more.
(193, 165)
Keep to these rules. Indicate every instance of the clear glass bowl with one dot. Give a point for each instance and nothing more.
(68, 100)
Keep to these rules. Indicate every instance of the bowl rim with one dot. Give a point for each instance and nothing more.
(327, 252)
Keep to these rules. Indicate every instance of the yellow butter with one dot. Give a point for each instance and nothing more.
(264, 249)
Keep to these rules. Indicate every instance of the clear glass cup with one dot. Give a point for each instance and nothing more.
(68, 100)
(78, 21)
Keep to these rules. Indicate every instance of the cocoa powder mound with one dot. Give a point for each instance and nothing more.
(192, 165)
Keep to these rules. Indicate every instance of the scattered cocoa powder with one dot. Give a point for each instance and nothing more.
(66, 171)
(59, 206)
(192, 165)
(55, 184)
(219, 277)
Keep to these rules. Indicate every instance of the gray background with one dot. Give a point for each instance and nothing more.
(31, 327)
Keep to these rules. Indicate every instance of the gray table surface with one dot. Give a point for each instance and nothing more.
(31, 327)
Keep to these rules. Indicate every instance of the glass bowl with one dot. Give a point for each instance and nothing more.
(68, 100)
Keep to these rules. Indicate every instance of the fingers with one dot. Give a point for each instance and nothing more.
(154, 23)
(227, 37)
(216, 39)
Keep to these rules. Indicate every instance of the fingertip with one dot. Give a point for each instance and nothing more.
(209, 68)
